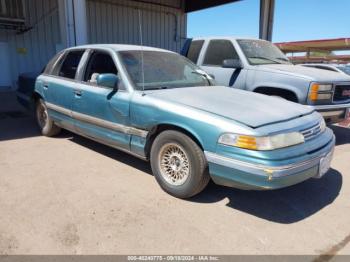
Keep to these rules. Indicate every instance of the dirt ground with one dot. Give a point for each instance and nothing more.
(69, 195)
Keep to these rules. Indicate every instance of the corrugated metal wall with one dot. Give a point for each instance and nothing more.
(30, 50)
(117, 21)
(109, 21)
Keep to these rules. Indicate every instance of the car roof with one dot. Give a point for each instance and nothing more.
(119, 47)
(225, 38)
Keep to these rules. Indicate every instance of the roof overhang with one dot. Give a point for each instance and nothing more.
(195, 5)
(321, 59)
(337, 44)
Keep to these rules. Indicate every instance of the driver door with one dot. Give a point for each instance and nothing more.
(101, 113)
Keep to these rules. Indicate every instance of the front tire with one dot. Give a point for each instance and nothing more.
(46, 125)
(179, 164)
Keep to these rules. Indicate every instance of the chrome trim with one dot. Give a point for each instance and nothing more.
(332, 113)
(311, 132)
(99, 122)
(107, 143)
(59, 109)
(230, 162)
(326, 107)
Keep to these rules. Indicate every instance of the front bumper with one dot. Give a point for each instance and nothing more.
(230, 172)
(333, 113)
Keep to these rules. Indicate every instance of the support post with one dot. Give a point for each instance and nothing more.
(73, 22)
(267, 9)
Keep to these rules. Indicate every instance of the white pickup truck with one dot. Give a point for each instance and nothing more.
(259, 66)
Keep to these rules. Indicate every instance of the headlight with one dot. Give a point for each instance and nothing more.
(322, 125)
(262, 143)
(320, 92)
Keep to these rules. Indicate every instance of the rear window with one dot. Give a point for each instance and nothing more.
(70, 64)
(194, 51)
(218, 51)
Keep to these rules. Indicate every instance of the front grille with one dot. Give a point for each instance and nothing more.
(341, 93)
(311, 132)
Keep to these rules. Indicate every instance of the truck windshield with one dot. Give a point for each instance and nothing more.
(260, 52)
(345, 69)
(162, 70)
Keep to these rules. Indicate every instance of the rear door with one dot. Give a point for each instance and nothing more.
(100, 112)
(59, 88)
(212, 60)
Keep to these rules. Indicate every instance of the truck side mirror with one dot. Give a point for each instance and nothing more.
(232, 63)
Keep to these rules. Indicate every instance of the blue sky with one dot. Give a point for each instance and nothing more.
(294, 20)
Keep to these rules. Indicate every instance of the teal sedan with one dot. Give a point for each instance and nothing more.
(158, 106)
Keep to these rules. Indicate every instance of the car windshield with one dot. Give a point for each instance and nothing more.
(162, 70)
(345, 69)
(260, 52)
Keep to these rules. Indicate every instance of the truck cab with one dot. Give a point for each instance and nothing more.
(259, 66)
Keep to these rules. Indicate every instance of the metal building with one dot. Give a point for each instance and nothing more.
(32, 31)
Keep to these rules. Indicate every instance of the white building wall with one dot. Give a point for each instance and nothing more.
(117, 21)
(30, 50)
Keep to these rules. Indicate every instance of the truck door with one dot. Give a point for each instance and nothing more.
(213, 60)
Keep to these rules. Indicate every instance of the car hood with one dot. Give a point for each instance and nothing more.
(313, 74)
(251, 109)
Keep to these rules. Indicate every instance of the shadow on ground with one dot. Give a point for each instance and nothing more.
(109, 152)
(342, 135)
(15, 121)
(287, 205)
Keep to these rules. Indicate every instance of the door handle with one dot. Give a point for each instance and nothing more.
(45, 85)
(77, 92)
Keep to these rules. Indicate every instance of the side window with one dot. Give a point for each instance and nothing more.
(218, 51)
(99, 63)
(70, 64)
(50, 65)
(194, 50)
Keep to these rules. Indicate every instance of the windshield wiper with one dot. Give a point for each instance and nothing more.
(158, 88)
(266, 58)
(283, 59)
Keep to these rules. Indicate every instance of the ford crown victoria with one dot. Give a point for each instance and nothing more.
(159, 106)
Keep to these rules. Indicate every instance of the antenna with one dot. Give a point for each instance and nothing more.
(142, 60)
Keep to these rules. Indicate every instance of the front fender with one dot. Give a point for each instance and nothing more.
(147, 112)
(300, 94)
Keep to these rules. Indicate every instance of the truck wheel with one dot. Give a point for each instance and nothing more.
(45, 123)
(179, 164)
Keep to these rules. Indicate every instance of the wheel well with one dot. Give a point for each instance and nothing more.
(273, 91)
(36, 96)
(163, 127)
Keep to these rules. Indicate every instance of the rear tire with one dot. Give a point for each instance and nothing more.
(46, 124)
(179, 164)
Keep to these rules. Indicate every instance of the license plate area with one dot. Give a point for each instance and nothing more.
(325, 164)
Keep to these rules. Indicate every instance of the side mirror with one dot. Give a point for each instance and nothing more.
(108, 80)
(232, 63)
(212, 76)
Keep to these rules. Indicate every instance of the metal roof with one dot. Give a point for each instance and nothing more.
(315, 45)
(195, 5)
